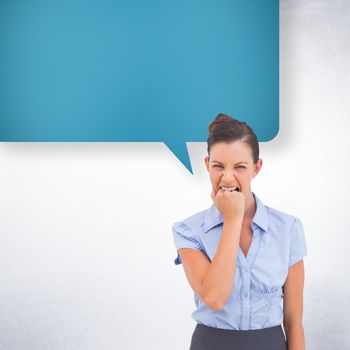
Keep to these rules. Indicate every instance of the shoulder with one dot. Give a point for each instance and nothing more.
(287, 229)
(280, 217)
(283, 223)
(271, 219)
(193, 223)
(188, 232)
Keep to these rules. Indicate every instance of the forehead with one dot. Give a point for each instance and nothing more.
(236, 151)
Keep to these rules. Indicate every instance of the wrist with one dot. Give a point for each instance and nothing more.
(233, 220)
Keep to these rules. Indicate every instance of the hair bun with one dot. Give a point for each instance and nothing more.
(220, 118)
(227, 129)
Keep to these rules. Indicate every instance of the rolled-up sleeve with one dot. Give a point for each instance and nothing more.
(184, 238)
(297, 242)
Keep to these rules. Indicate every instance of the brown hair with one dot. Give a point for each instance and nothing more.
(228, 129)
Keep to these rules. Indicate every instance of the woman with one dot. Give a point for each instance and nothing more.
(243, 259)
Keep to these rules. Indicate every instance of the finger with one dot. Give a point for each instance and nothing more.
(221, 190)
(220, 193)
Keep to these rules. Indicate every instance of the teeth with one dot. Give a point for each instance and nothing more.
(229, 188)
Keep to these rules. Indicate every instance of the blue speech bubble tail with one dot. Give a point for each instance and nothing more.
(180, 150)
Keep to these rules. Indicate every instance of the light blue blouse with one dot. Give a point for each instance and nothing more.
(256, 301)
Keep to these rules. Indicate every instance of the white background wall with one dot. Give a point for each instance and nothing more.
(86, 250)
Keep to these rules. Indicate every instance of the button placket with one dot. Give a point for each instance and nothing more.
(245, 296)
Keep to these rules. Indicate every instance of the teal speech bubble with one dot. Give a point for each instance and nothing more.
(137, 71)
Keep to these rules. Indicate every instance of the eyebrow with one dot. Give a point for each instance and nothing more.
(215, 161)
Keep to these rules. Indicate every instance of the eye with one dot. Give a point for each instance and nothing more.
(217, 166)
(241, 166)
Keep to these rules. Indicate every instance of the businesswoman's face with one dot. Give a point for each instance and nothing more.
(231, 164)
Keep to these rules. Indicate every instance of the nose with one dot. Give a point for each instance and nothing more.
(228, 178)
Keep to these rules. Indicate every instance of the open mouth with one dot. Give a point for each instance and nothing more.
(234, 188)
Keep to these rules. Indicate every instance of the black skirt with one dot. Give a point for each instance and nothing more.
(210, 338)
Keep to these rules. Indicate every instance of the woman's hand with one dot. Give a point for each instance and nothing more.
(230, 204)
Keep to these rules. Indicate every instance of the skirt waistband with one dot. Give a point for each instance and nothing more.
(268, 330)
(210, 338)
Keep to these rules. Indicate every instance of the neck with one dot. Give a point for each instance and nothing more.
(250, 207)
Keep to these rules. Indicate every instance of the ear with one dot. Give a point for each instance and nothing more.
(206, 161)
(257, 167)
